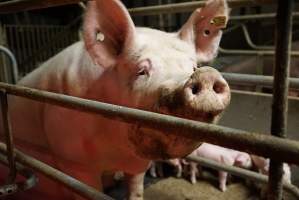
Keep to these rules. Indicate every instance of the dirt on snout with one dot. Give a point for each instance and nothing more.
(180, 189)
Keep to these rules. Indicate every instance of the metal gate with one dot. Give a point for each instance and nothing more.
(277, 148)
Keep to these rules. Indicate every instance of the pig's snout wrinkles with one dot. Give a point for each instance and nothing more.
(206, 91)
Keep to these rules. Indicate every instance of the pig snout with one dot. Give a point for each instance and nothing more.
(206, 92)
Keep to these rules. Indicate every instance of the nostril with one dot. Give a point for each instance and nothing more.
(195, 88)
(219, 87)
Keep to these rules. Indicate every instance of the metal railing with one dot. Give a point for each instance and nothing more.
(268, 146)
(23, 5)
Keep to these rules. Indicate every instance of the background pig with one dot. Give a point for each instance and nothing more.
(120, 64)
(262, 165)
(221, 155)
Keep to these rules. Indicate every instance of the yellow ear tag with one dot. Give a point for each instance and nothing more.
(219, 21)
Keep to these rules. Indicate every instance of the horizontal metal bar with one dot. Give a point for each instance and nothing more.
(30, 179)
(24, 5)
(56, 175)
(253, 52)
(190, 6)
(259, 80)
(258, 16)
(259, 144)
(244, 173)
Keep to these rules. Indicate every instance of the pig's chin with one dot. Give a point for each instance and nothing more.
(154, 145)
(157, 145)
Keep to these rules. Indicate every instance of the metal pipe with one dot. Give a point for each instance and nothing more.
(253, 52)
(244, 173)
(13, 63)
(189, 6)
(257, 16)
(283, 33)
(8, 137)
(250, 43)
(30, 182)
(259, 144)
(24, 5)
(259, 80)
(56, 175)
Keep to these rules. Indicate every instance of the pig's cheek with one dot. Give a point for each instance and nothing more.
(154, 145)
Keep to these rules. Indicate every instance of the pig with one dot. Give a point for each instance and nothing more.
(222, 155)
(156, 168)
(262, 165)
(121, 64)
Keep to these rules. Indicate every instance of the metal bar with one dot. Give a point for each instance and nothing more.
(250, 43)
(30, 182)
(253, 52)
(23, 45)
(13, 62)
(8, 137)
(259, 144)
(283, 33)
(24, 5)
(257, 16)
(259, 80)
(244, 173)
(56, 175)
(189, 6)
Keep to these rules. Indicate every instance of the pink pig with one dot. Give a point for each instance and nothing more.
(121, 64)
(221, 155)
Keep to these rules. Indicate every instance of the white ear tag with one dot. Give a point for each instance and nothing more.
(100, 37)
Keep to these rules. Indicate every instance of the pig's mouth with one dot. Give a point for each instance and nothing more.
(156, 145)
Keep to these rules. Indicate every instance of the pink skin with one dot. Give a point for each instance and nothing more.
(134, 67)
(223, 156)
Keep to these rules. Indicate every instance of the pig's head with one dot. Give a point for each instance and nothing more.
(159, 71)
(243, 160)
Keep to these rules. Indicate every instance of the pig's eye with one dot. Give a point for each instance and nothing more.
(144, 67)
(142, 72)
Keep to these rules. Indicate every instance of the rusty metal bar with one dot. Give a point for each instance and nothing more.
(259, 144)
(56, 175)
(253, 52)
(259, 80)
(244, 173)
(8, 137)
(283, 33)
(23, 5)
(30, 182)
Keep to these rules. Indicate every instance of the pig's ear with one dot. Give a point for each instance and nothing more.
(108, 31)
(203, 29)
